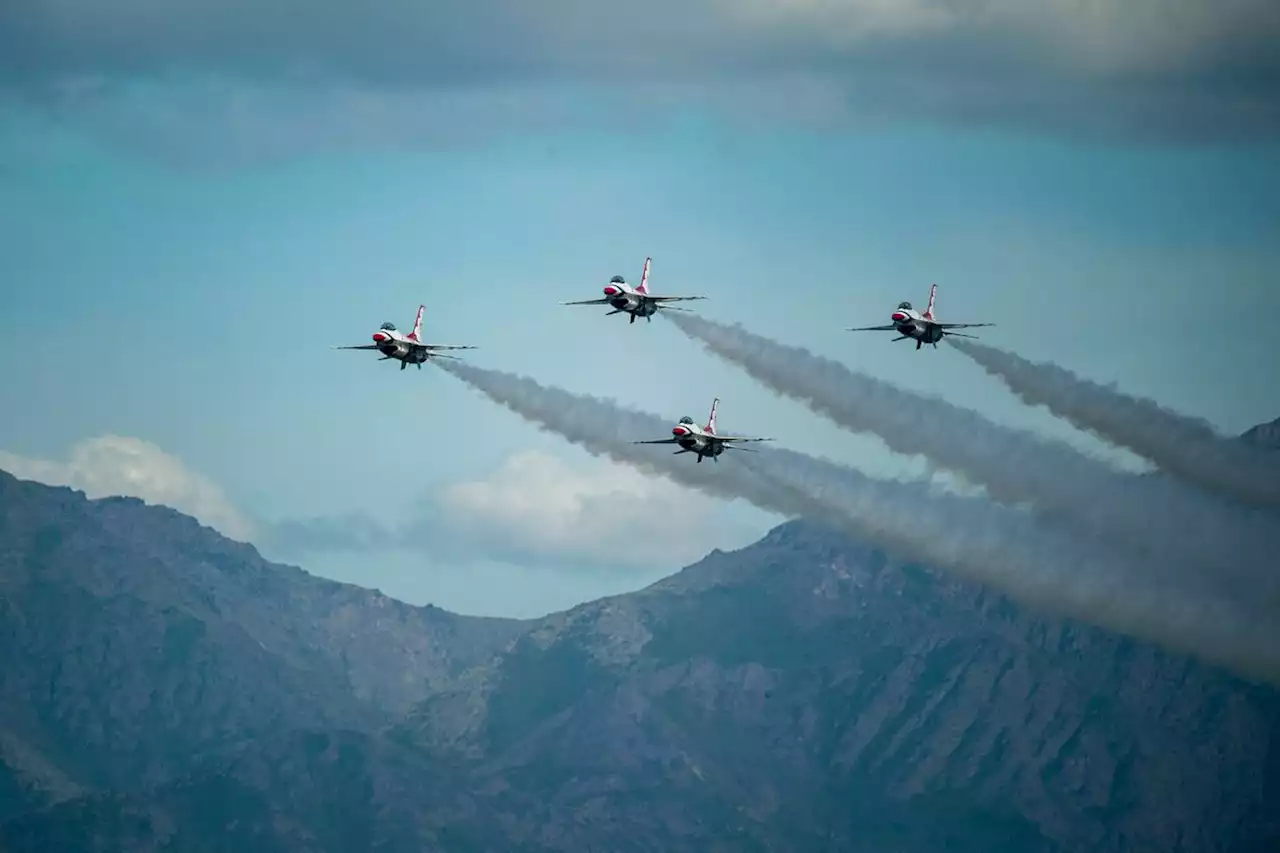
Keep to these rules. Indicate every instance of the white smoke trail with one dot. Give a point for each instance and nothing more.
(977, 540)
(1176, 527)
(1183, 446)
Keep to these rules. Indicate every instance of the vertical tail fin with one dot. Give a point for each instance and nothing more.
(711, 419)
(416, 334)
(644, 277)
(933, 294)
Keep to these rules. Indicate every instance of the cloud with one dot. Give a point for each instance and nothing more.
(536, 508)
(487, 41)
(603, 511)
(414, 72)
(113, 465)
(203, 122)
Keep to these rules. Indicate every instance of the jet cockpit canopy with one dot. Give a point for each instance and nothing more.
(686, 420)
(388, 327)
(617, 279)
(904, 306)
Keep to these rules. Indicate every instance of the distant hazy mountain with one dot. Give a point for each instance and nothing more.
(1264, 435)
(164, 688)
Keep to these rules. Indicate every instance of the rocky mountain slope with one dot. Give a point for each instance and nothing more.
(803, 694)
(136, 642)
(1264, 435)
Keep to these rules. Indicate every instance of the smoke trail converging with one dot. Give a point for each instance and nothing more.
(1186, 447)
(981, 541)
(1172, 526)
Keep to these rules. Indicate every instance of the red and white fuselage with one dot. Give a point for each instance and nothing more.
(923, 328)
(636, 301)
(702, 440)
(912, 324)
(633, 300)
(696, 438)
(406, 348)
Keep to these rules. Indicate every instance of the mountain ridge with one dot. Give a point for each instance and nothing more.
(893, 723)
(804, 693)
(1263, 435)
(127, 620)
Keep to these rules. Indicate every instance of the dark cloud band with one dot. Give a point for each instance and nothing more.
(1180, 69)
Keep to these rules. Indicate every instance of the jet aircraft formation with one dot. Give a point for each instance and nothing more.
(690, 437)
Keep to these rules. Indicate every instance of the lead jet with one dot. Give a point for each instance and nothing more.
(923, 327)
(409, 349)
(704, 441)
(636, 301)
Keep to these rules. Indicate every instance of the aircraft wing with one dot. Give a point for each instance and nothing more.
(888, 328)
(673, 298)
(730, 438)
(588, 302)
(442, 346)
(362, 346)
(961, 325)
(657, 441)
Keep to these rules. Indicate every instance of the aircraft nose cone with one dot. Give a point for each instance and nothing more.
(378, 337)
(611, 291)
(678, 431)
(897, 316)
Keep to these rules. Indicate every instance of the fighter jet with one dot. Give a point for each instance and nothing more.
(703, 441)
(636, 301)
(409, 349)
(908, 324)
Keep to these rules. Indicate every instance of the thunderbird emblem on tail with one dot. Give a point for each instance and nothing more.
(702, 440)
(409, 349)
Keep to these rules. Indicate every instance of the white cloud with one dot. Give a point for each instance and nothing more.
(599, 511)
(111, 465)
(535, 508)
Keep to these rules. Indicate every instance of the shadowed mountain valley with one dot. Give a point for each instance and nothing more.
(164, 688)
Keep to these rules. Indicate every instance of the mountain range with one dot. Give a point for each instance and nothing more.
(165, 688)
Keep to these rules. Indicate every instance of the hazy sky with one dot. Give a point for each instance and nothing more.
(196, 203)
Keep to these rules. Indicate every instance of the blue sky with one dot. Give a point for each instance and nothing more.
(184, 234)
